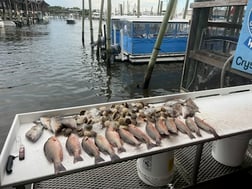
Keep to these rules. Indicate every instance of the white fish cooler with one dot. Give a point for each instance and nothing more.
(228, 110)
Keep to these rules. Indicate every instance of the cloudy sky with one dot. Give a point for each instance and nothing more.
(145, 4)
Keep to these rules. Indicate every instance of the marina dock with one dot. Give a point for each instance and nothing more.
(48, 73)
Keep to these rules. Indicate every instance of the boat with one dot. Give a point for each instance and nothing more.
(70, 19)
(43, 18)
(137, 36)
(7, 23)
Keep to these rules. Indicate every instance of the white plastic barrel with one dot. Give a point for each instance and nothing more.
(156, 170)
(231, 151)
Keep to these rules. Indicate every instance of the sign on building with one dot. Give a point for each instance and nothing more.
(243, 56)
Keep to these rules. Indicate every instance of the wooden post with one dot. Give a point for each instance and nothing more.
(161, 8)
(121, 9)
(99, 32)
(83, 17)
(138, 8)
(108, 39)
(10, 10)
(27, 13)
(91, 24)
(169, 8)
(158, 8)
(185, 11)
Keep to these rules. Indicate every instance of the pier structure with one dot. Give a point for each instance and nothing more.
(214, 33)
(23, 12)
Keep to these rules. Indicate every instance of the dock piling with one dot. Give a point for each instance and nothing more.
(83, 17)
(99, 41)
(91, 24)
(108, 38)
(169, 10)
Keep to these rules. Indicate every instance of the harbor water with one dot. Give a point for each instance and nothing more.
(46, 67)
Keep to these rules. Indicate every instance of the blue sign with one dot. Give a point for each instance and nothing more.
(243, 55)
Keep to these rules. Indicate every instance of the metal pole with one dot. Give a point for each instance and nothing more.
(108, 39)
(197, 163)
(91, 23)
(83, 17)
(156, 48)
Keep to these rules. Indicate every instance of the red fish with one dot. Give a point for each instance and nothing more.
(54, 153)
(140, 135)
(73, 147)
(91, 149)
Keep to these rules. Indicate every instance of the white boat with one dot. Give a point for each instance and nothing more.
(6, 23)
(70, 19)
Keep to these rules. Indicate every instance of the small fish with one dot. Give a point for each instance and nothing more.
(187, 111)
(34, 133)
(140, 135)
(153, 132)
(183, 128)
(91, 149)
(171, 125)
(114, 139)
(128, 137)
(54, 153)
(55, 124)
(189, 102)
(46, 122)
(205, 126)
(104, 146)
(161, 126)
(73, 147)
(69, 123)
(193, 126)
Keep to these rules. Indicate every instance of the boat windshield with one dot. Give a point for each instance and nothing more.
(151, 29)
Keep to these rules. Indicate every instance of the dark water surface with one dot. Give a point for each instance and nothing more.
(45, 67)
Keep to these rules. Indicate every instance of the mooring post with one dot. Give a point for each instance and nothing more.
(91, 24)
(158, 7)
(27, 13)
(185, 11)
(108, 39)
(155, 51)
(138, 9)
(99, 41)
(83, 17)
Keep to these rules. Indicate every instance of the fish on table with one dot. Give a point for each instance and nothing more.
(53, 124)
(192, 126)
(153, 132)
(104, 146)
(172, 128)
(205, 126)
(128, 137)
(161, 126)
(34, 133)
(114, 139)
(140, 135)
(54, 153)
(182, 127)
(91, 149)
(73, 147)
